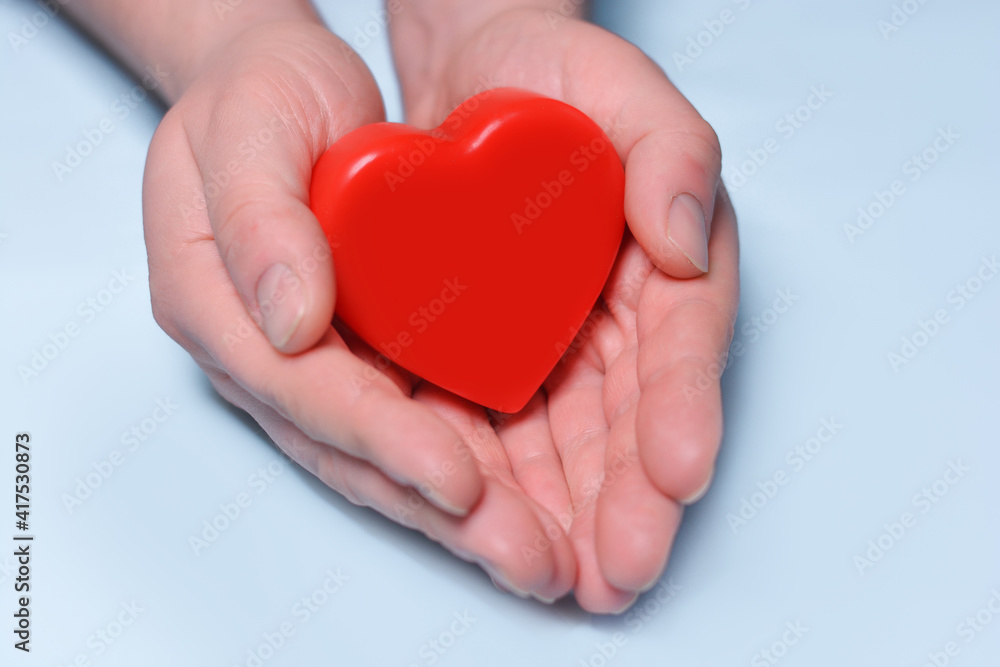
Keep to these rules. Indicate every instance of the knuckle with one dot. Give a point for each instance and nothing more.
(581, 439)
(703, 147)
(164, 311)
(696, 144)
(709, 139)
(237, 218)
(721, 319)
(626, 404)
(337, 478)
(285, 402)
(693, 462)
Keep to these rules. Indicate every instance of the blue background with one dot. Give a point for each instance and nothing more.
(731, 590)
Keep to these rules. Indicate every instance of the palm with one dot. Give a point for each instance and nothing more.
(613, 415)
(612, 404)
(373, 445)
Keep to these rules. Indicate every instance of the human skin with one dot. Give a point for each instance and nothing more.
(603, 458)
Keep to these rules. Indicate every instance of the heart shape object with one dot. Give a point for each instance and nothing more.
(471, 254)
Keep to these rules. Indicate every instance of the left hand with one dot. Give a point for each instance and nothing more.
(626, 431)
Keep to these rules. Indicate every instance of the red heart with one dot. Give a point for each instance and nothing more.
(471, 254)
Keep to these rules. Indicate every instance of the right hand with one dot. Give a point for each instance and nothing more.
(241, 277)
(623, 441)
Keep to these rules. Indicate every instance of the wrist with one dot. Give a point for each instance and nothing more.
(217, 30)
(426, 34)
(179, 38)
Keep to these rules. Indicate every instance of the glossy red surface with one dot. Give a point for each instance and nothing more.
(471, 254)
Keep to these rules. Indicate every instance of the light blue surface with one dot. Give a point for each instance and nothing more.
(731, 592)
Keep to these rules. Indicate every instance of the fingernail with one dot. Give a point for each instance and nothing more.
(502, 583)
(652, 584)
(282, 303)
(686, 228)
(624, 607)
(441, 503)
(463, 554)
(700, 493)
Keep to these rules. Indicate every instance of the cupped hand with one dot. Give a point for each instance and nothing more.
(241, 276)
(628, 425)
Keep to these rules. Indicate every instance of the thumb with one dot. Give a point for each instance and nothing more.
(672, 173)
(261, 127)
(671, 155)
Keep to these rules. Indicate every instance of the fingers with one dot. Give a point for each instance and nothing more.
(594, 591)
(499, 535)
(672, 156)
(546, 549)
(256, 128)
(682, 353)
(580, 434)
(669, 175)
(534, 461)
(635, 523)
(334, 397)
